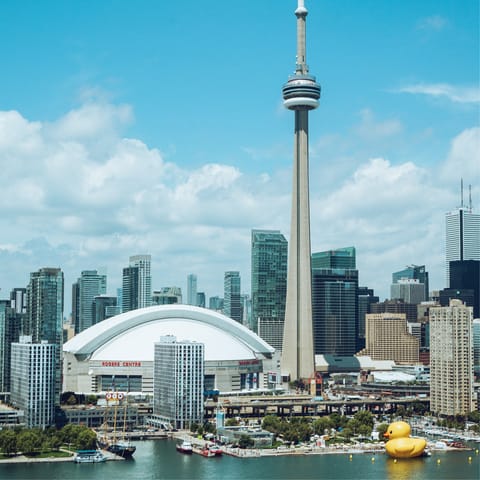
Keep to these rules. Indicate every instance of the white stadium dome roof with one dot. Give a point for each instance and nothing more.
(132, 335)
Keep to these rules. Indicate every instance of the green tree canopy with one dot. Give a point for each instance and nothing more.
(8, 441)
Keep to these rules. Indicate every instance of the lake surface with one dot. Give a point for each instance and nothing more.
(160, 460)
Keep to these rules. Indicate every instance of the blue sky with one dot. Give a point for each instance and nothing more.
(158, 127)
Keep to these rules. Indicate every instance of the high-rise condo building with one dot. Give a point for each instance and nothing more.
(301, 93)
(269, 280)
(232, 305)
(11, 323)
(178, 381)
(451, 359)
(335, 310)
(137, 283)
(33, 379)
(192, 289)
(462, 236)
(90, 284)
(417, 272)
(476, 346)
(45, 306)
(387, 338)
(44, 318)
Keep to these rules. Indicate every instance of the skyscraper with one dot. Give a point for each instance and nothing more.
(44, 320)
(338, 258)
(451, 359)
(137, 283)
(90, 284)
(465, 275)
(232, 305)
(192, 289)
(335, 310)
(33, 383)
(269, 279)
(366, 297)
(462, 237)
(11, 321)
(178, 381)
(417, 272)
(45, 306)
(301, 93)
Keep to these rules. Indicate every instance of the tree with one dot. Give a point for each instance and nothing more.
(8, 441)
(87, 439)
(245, 441)
(365, 417)
(381, 429)
(29, 441)
(322, 425)
(231, 422)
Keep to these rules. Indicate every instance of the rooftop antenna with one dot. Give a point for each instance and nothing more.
(461, 193)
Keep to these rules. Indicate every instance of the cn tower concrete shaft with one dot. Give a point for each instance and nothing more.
(301, 94)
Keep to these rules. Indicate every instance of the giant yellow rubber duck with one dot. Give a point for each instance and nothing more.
(400, 444)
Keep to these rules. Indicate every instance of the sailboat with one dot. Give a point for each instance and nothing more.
(121, 447)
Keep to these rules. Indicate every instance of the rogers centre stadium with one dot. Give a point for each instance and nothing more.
(117, 353)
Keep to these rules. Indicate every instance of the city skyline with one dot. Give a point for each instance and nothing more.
(111, 153)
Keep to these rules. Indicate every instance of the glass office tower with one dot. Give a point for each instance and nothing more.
(269, 280)
(335, 303)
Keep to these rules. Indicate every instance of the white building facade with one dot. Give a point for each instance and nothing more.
(33, 381)
(119, 351)
(462, 237)
(451, 359)
(178, 380)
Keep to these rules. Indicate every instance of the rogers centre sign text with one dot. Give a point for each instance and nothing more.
(121, 364)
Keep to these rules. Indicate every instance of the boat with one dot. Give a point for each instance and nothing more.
(122, 448)
(184, 447)
(206, 452)
(215, 449)
(89, 456)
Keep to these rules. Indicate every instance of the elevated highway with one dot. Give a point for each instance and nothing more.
(287, 406)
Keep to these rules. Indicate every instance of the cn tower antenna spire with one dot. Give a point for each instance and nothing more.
(301, 12)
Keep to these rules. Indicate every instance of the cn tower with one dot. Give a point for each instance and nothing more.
(301, 93)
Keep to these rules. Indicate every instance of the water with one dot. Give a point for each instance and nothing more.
(159, 460)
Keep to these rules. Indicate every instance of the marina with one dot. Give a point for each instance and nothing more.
(158, 460)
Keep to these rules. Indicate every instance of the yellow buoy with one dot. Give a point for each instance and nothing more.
(469, 459)
(438, 461)
(350, 457)
(395, 461)
(373, 459)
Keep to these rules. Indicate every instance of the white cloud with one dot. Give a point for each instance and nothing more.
(434, 22)
(92, 120)
(457, 94)
(370, 129)
(463, 160)
(69, 201)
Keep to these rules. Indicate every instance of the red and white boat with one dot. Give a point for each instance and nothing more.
(184, 447)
